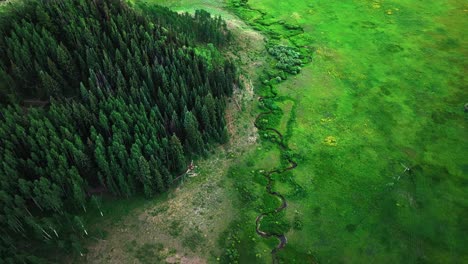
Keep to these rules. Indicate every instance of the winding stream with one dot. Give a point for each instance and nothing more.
(281, 237)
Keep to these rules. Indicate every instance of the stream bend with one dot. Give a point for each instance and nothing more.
(281, 237)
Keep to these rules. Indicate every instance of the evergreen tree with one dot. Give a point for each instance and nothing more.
(146, 176)
(176, 152)
(106, 94)
(193, 138)
(50, 85)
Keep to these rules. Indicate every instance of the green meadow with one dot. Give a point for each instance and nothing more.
(377, 127)
(375, 119)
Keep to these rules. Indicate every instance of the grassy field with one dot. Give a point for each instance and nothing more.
(375, 121)
(385, 90)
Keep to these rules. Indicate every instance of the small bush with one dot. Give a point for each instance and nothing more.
(193, 240)
(159, 209)
(175, 228)
(150, 253)
(297, 222)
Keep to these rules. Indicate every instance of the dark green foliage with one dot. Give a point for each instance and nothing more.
(297, 222)
(275, 224)
(95, 97)
(194, 141)
(201, 27)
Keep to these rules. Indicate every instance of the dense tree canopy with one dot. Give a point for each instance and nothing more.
(96, 95)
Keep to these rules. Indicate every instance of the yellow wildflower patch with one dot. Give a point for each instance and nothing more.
(326, 120)
(296, 15)
(330, 141)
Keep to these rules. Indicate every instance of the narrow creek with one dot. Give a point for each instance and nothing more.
(282, 145)
(268, 175)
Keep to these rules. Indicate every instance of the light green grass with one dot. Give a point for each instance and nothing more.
(387, 83)
(385, 89)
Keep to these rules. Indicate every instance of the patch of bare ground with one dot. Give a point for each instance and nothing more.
(184, 260)
(188, 224)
